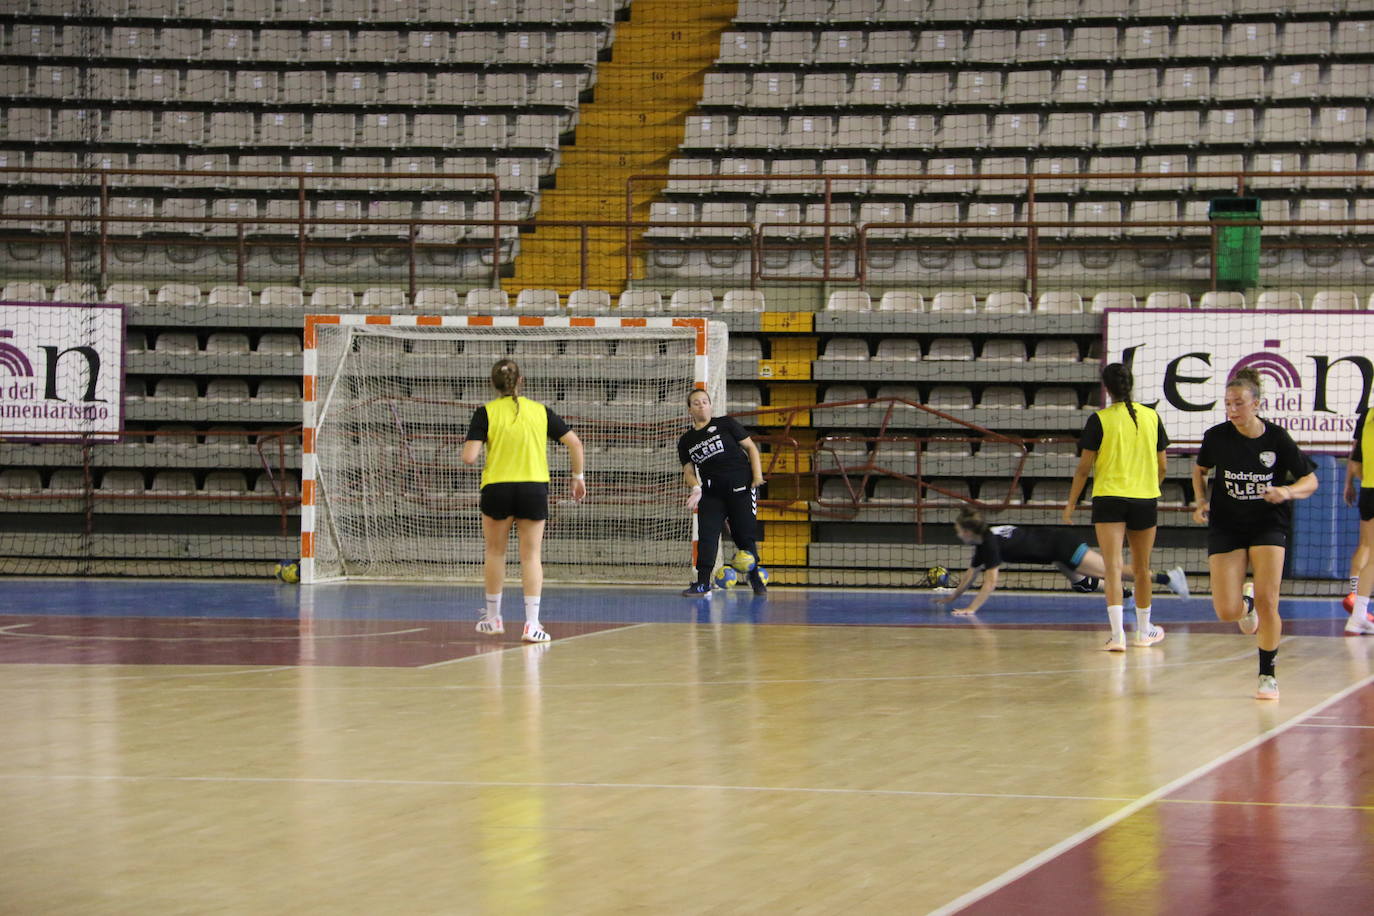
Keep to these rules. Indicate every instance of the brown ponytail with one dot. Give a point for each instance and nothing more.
(1118, 381)
(506, 378)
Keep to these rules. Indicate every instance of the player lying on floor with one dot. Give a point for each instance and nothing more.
(1058, 547)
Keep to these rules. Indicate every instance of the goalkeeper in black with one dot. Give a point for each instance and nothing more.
(722, 469)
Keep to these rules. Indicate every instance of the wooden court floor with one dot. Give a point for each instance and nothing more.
(680, 767)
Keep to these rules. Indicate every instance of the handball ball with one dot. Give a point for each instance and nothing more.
(936, 576)
(727, 577)
(763, 574)
(288, 571)
(744, 561)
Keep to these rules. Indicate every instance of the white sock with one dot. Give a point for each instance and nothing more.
(1114, 615)
(1354, 584)
(493, 606)
(1361, 605)
(532, 611)
(1142, 619)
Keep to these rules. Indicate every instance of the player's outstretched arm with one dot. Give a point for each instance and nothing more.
(984, 593)
(964, 582)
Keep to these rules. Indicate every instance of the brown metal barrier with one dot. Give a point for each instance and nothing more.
(1033, 227)
(271, 447)
(753, 239)
(790, 417)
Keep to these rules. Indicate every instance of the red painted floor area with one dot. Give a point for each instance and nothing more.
(1287, 827)
(240, 641)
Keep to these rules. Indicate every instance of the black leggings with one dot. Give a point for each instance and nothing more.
(719, 503)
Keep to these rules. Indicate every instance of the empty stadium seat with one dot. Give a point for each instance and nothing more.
(644, 301)
(896, 300)
(1168, 299)
(227, 389)
(289, 297)
(538, 301)
(950, 348)
(231, 296)
(1221, 299)
(743, 300)
(1055, 350)
(179, 294)
(898, 348)
(952, 301)
(700, 301)
(1279, 300)
(75, 292)
(845, 348)
(481, 300)
(384, 298)
(1335, 300)
(589, 300)
(1006, 301)
(1059, 302)
(126, 294)
(999, 350)
(1052, 398)
(851, 300)
(228, 342)
(335, 298)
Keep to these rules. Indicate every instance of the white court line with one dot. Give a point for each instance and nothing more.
(1329, 725)
(9, 631)
(547, 645)
(1087, 833)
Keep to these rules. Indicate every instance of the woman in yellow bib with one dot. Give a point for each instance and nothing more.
(1123, 446)
(515, 489)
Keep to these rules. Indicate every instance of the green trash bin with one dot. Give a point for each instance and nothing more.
(1238, 247)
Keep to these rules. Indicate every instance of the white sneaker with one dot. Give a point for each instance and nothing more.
(1151, 636)
(1249, 624)
(491, 626)
(1268, 688)
(1115, 643)
(534, 633)
(1359, 625)
(1178, 581)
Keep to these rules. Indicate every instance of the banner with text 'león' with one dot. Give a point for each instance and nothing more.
(61, 370)
(1316, 368)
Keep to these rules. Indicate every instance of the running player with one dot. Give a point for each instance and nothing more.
(1123, 446)
(1065, 551)
(1250, 516)
(515, 489)
(1354, 467)
(722, 469)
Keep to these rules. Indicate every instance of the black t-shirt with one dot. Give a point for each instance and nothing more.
(716, 452)
(1010, 544)
(477, 428)
(1244, 468)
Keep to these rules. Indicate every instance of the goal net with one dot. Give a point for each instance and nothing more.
(388, 400)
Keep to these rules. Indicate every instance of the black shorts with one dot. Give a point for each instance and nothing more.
(523, 500)
(1047, 546)
(1138, 514)
(1225, 540)
(1366, 503)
